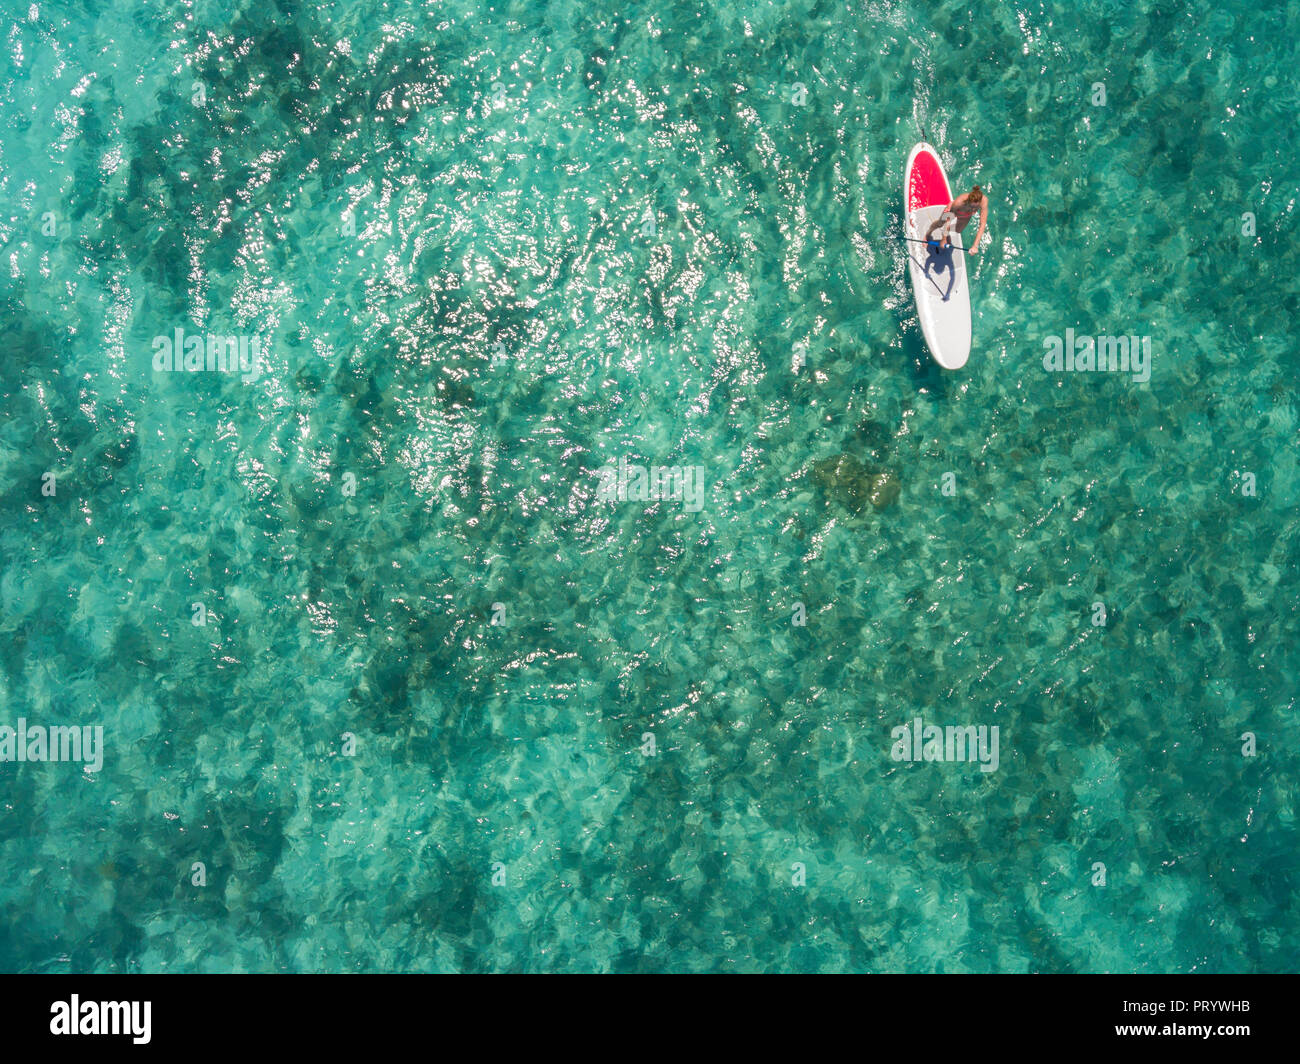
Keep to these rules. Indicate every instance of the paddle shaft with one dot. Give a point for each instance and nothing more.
(914, 240)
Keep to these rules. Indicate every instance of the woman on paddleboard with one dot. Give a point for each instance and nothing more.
(964, 206)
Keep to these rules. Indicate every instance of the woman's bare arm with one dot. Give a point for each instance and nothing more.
(979, 233)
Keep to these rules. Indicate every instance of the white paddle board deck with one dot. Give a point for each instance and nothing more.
(938, 280)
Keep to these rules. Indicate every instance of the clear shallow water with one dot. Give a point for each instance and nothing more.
(496, 325)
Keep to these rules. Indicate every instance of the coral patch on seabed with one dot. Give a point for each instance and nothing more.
(855, 485)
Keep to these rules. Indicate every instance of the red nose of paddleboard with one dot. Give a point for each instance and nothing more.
(928, 187)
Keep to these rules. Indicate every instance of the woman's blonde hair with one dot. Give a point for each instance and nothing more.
(976, 193)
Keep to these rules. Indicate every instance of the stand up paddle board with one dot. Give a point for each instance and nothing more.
(938, 279)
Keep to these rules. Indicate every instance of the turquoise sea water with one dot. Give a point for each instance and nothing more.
(433, 219)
